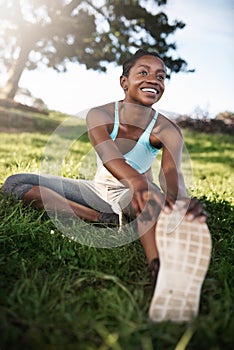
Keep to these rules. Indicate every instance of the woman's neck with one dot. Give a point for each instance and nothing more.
(132, 113)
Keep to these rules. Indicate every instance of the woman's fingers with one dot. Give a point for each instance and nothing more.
(169, 205)
(148, 204)
(196, 210)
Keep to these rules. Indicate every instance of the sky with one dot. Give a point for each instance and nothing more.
(206, 44)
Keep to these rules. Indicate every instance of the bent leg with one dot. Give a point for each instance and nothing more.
(57, 193)
(18, 184)
(44, 198)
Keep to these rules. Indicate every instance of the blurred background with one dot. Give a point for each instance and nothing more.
(67, 55)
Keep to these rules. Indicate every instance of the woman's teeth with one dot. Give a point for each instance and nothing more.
(154, 91)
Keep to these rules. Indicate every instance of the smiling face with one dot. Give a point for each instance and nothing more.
(145, 83)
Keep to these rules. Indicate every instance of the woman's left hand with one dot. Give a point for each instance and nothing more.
(195, 208)
(196, 211)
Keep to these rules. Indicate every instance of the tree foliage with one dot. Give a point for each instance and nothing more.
(93, 32)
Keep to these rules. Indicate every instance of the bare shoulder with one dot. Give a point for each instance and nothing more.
(166, 123)
(167, 131)
(106, 109)
(100, 115)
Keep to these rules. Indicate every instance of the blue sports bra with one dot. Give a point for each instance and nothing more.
(141, 156)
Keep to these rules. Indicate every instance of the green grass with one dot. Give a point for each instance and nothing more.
(56, 293)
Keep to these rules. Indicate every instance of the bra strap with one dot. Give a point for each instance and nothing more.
(151, 124)
(114, 132)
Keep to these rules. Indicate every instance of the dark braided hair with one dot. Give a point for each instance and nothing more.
(129, 63)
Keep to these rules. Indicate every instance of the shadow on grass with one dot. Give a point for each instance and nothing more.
(14, 121)
(215, 159)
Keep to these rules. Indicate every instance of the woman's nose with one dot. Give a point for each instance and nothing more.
(152, 78)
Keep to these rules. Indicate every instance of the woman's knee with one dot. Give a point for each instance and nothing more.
(15, 186)
(10, 183)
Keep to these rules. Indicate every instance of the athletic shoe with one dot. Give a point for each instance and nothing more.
(184, 251)
(108, 220)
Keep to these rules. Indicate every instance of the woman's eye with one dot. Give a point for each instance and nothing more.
(160, 77)
(144, 72)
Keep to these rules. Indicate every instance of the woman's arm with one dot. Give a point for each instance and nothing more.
(149, 175)
(171, 178)
(100, 125)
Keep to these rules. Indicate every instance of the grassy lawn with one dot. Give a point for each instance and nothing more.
(56, 293)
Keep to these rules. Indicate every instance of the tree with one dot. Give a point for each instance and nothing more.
(94, 33)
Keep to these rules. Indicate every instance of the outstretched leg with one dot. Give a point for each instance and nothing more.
(147, 238)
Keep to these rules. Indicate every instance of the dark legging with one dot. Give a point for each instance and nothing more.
(79, 191)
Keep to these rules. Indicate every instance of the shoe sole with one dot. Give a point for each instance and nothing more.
(184, 251)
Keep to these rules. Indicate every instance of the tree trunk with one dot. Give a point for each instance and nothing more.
(15, 73)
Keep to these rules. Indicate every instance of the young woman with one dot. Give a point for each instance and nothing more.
(127, 135)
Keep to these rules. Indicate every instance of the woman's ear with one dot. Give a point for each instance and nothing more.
(124, 82)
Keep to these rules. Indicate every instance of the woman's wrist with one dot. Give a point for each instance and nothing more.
(136, 182)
